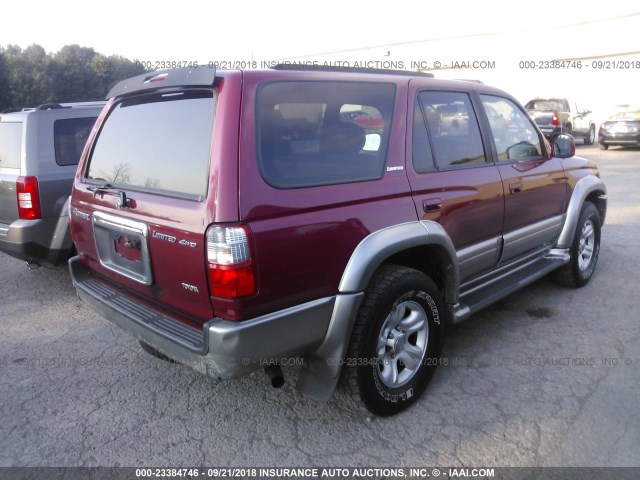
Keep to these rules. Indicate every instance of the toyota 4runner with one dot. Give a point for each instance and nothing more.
(232, 219)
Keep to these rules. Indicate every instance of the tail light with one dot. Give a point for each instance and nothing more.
(28, 198)
(554, 119)
(231, 270)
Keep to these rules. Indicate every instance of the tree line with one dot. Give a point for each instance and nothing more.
(31, 77)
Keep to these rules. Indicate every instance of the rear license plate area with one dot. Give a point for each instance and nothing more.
(122, 246)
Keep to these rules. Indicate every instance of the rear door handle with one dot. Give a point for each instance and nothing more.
(515, 187)
(432, 205)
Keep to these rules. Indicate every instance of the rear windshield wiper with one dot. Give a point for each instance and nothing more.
(108, 189)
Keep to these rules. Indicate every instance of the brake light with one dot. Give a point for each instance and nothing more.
(231, 271)
(28, 198)
(554, 119)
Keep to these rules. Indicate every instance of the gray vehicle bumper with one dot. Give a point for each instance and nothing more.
(46, 241)
(222, 349)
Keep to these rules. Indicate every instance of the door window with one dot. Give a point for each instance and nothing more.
(453, 128)
(514, 135)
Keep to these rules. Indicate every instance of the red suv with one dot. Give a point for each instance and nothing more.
(233, 219)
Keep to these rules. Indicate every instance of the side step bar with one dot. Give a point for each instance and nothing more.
(496, 288)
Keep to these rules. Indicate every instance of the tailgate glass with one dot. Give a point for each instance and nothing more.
(156, 143)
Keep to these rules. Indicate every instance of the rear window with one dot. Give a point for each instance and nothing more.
(69, 137)
(10, 144)
(322, 133)
(158, 142)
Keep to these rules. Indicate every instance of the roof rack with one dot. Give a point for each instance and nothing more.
(50, 106)
(329, 68)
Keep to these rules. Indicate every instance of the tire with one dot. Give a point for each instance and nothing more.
(604, 146)
(402, 317)
(152, 351)
(591, 137)
(584, 251)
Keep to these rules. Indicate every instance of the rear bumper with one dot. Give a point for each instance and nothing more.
(550, 131)
(622, 139)
(46, 241)
(222, 349)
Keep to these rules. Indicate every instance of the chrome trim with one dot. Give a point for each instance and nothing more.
(120, 223)
(105, 226)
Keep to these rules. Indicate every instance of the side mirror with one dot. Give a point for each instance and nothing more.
(564, 146)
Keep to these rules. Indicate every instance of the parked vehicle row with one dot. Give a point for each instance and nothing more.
(39, 153)
(560, 115)
(230, 219)
(621, 129)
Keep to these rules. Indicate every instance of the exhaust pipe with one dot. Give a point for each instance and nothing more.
(274, 372)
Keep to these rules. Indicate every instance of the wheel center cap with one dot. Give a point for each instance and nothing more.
(398, 341)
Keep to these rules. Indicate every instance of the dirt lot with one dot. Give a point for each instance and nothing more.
(549, 376)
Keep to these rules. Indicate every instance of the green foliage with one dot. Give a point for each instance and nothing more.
(31, 77)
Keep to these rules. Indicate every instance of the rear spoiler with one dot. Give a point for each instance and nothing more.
(178, 77)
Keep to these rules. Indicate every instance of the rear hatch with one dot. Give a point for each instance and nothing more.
(10, 154)
(140, 204)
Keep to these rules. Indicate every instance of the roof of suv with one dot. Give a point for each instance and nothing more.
(204, 76)
(21, 112)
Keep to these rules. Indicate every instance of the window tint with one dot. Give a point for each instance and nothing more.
(10, 144)
(157, 142)
(455, 134)
(69, 137)
(422, 156)
(321, 133)
(514, 135)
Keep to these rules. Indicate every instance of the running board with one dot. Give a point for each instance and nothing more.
(496, 288)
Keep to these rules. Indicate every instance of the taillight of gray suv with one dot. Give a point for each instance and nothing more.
(39, 152)
(231, 220)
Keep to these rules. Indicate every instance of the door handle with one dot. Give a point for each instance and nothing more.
(515, 187)
(431, 205)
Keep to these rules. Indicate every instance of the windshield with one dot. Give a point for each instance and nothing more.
(631, 115)
(546, 105)
(158, 143)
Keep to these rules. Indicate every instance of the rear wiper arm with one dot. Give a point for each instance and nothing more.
(108, 189)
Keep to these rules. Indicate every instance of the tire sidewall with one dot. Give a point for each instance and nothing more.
(589, 212)
(377, 396)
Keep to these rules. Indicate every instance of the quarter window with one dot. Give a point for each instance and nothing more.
(10, 144)
(514, 136)
(453, 127)
(322, 133)
(69, 137)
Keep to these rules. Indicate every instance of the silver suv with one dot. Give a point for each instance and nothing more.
(39, 152)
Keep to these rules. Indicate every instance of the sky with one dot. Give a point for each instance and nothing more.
(495, 36)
